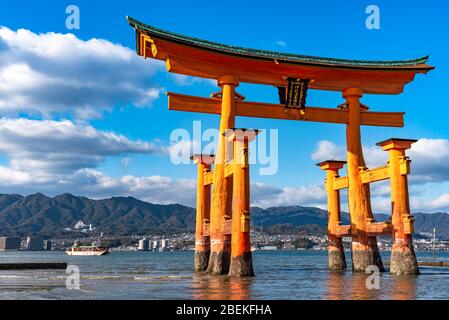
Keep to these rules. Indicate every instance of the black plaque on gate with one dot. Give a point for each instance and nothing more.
(297, 93)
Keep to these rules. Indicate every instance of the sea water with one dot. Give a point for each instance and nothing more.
(169, 275)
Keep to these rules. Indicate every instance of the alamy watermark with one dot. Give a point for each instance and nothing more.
(373, 280)
(73, 21)
(263, 150)
(72, 281)
(372, 22)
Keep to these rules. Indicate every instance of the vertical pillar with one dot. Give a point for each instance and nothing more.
(222, 187)
(202, 241)
(336, 253)
(364, 247)
(403, 258)
(241, 258)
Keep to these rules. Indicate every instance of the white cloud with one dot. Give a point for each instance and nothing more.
(327, 150)
(154, 189)
(263, 195)
(41, 149)
(52, 73)
(428, 178)
(429, 158)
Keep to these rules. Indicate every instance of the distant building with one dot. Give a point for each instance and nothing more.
(144, 245)
(9, 243)
(34, 244)
(164, 245)
(47, 245)
(154, 245)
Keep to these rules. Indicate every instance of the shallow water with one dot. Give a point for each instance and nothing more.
(168, 275)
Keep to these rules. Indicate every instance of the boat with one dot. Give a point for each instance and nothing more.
(93, 250)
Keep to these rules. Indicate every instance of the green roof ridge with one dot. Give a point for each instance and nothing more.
(271, 54)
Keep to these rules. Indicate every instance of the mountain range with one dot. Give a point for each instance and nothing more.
(55, 217)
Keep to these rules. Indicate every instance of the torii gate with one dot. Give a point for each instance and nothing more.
(223, 227)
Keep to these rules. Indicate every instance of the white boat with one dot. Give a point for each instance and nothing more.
(77, 250)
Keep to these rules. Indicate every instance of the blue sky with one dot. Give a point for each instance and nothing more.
(125, 107)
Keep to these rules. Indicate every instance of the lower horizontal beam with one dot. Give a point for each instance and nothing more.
(368, 176)
(343, 231)
(379, 228)
(182, 102)
(227, 228)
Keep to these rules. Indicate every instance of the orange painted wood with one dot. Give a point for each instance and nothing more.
(368, 176)
(229, 169)
(341, 183)
(202, 242)
(180, 102)
(379, 228)
(401, 218)
(208, 177)
(343, 231)
(222, 187)
(227, 226)
(206, 229)
(358, 193)
(200, 62)
(241, 198)
(333, 204)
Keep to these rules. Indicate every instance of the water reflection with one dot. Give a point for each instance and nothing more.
(359, 290)
(349, 286)
(221, 287)
(403, 287)
(336, 286)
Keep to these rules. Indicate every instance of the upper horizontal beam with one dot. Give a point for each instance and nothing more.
(182, 102)
(206, 59)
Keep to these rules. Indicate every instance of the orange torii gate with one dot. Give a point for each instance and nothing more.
(223, 217)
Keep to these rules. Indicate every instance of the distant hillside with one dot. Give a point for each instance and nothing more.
(40, 215)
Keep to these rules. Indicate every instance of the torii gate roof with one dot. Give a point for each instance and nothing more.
(206, 59)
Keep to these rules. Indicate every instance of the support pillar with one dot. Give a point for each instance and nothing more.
(336, 253)
(202, 241)
(222, 186)
(403, 258)
(241, 257)
(364, 247)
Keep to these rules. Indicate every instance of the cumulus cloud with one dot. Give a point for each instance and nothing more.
(327, 150)
(51, 73)
(41, 150)
(429, 158)
(263, 195)
(154, 189)
(429, 167)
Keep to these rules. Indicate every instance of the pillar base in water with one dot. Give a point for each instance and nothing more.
(337, 260)
(219, 263)
(201, 260)
(403, 260)
(242, 266)
(365, 255)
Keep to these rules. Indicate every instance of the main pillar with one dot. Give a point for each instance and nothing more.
(403, 258)
(336, 253)
(241, 258)
(364, 247)
(202, 241)
(222, 186)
